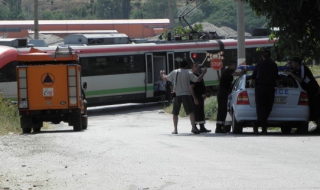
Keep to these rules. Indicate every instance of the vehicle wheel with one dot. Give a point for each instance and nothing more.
(37, 124)
(75, 120)
(84, 121)
(286, 129)
(26, 130)
(227, 128)
(303, 128)
(26, 124)
(236, 127)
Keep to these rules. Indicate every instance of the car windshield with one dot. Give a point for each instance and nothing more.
(282, 82)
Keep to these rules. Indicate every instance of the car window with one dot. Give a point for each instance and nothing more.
(286, 82)
(235, 84)
(282, 82)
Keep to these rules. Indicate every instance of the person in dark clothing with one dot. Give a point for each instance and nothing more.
(168, 92)
(265, 75)
(223, 93)
(198, 92)
(305, 77)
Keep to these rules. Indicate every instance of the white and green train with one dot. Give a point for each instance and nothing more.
(127, 73)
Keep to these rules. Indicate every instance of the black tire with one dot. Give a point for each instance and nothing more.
(26, 124)
(84, 121)
(84, 117)
(26, 130)
(236, 127)
(303, 128)
(37, 124)
(227, 128)
(286, 129)
(75, 121)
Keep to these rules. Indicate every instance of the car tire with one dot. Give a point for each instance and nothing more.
(303, 128)
(286, 129)
(227, 128)
(236, 127)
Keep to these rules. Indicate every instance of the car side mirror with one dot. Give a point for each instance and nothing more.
(84, 85)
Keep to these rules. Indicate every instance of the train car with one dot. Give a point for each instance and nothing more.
(128, 72)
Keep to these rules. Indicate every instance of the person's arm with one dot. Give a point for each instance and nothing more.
(195, 99)
(163, 76)
(239, 73)
(300, 80)
(204, 71)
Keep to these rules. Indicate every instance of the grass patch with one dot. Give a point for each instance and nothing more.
(9, 117)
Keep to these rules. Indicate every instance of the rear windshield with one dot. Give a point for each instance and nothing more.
(282, 82)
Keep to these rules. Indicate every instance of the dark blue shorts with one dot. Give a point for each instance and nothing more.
(187, 104)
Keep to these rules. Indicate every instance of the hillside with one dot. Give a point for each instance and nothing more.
(66, 4)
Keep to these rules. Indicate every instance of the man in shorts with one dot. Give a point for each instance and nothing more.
(182, 78)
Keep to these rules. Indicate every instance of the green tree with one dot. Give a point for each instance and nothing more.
(298, 22)
(4, 13)
(108, 9)
(224, 13)
(126, 9)
(15, 9)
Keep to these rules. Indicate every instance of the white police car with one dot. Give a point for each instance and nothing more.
(290, 108)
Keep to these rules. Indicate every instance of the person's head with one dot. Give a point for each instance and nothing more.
(289, 63)
(296, 62)
(183, 64)
(232, 65)
(266, 54)
(195, 68)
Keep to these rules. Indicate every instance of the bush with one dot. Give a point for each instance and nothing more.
(211, 108)
(9, 118)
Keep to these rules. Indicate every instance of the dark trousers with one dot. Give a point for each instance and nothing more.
(199, 111)
(314, 107)
(222, 97)
(264, 95)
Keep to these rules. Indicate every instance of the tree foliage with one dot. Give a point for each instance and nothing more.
(224, 13)
(298, 22)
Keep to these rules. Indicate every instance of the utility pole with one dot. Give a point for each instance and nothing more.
(36, 19)
(241, 51)
(171, 18)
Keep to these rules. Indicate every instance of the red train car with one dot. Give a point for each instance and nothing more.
(134, 28)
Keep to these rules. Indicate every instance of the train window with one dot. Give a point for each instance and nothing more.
(8, 72)
(112, 65)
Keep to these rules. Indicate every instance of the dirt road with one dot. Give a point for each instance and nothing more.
(131, 147)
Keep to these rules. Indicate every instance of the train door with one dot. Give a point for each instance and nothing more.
(170, 62)
(159, 63)
(149, 75)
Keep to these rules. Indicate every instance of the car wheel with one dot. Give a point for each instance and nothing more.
(227, 128)
(236, 127)
(286, 129)
(303, 128)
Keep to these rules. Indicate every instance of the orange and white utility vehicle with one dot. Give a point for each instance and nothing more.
(49, 89)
